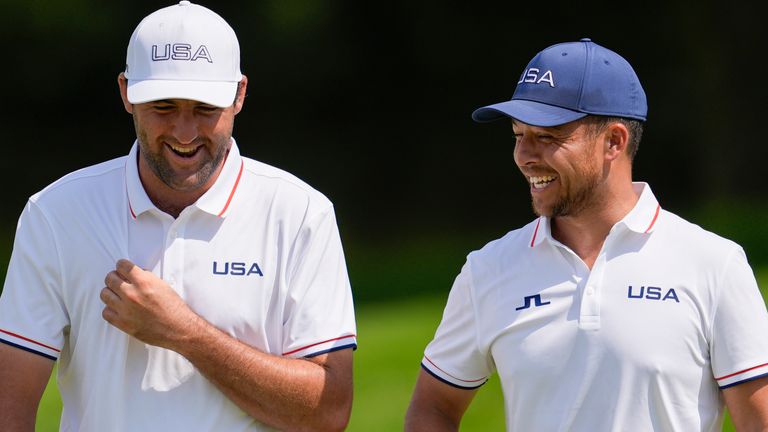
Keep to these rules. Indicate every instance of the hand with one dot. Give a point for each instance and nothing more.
(144, 306)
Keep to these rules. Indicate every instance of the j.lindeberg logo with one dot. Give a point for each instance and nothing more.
(180, 51)
(536, 302)
(535, 76)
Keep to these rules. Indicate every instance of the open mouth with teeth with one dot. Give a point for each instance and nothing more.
(184, 151)
(540, 182)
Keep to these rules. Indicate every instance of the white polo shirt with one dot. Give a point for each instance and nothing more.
(668, 315)
(258, 256)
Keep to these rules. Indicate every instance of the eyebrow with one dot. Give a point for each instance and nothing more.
(558, 128)
(172, 102)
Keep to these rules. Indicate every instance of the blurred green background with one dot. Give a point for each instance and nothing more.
(370, 103)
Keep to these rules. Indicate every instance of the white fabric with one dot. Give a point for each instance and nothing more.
(184, 51)
(259, 256)
(595, 354)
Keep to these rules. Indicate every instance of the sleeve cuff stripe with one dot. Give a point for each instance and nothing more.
(741, 372)
(316, 344)
(441, 379)
(447, 374)
(743, 381)
(30, 340)
(338, 348)
(28, 349)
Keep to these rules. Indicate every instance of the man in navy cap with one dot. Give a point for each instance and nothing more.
(607, 312)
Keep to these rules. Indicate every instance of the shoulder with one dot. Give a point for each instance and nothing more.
(83, 184)
(680, 234)
(282, 187)
(506, 251)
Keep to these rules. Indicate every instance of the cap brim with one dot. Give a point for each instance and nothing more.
(529, 112)
(216, 93)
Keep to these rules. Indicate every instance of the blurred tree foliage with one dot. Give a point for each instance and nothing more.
(370, 101)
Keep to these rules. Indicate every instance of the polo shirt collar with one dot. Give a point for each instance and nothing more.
(215, 201)
(641, 219)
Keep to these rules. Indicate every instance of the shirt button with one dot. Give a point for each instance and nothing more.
(590, 291)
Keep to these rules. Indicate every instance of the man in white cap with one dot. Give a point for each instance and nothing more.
(184, 286)
(607, 312)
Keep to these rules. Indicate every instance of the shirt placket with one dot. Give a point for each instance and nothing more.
(588, 283)
(173, 256)
(589, 312)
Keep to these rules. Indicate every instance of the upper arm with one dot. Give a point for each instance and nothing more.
(436, 405)
(748, 404)
(24, 376)
(338, 376)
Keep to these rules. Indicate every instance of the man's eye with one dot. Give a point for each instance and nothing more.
(163, 107)
(547, 138)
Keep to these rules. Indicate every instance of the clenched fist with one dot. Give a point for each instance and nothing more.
(145, 306)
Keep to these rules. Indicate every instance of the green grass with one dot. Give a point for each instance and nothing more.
(49, 411)
(391, 336)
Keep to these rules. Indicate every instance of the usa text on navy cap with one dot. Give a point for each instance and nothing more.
(568, 81)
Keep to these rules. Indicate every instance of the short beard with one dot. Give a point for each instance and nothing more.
(163, 171)
(575, 203)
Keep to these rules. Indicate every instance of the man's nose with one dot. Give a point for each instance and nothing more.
(526, 150)
(185, 128)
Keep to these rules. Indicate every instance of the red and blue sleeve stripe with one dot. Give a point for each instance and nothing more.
(742, 376)
(29, 345)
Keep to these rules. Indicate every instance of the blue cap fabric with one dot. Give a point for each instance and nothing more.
(568, 81)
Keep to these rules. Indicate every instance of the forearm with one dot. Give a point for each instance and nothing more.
(287, 394)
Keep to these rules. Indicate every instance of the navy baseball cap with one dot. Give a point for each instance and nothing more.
(568, 81)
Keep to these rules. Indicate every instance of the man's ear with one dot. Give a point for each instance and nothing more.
(240, 95)
(616, 139)
(122, 82)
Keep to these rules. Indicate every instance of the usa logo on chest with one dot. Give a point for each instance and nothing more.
(652, 293)
(237, 268)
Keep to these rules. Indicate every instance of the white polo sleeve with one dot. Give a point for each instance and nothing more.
(319, 313)
(32, 312)
(739, 348)
(454, 356)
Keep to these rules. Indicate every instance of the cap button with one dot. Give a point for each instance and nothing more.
(184, 3)
(585, 40)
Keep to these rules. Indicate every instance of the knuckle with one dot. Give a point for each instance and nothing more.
(134, 296)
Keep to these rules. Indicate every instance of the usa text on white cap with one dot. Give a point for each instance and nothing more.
(184, 51)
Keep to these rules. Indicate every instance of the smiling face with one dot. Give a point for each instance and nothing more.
(563, 165)
(183, 142)
(182, 145)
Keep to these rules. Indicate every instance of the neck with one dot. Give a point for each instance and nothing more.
(586, 231)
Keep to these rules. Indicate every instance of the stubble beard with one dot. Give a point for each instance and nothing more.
(575, 201)
(163, 170)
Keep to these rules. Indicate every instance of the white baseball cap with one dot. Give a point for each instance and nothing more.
(184, 51)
